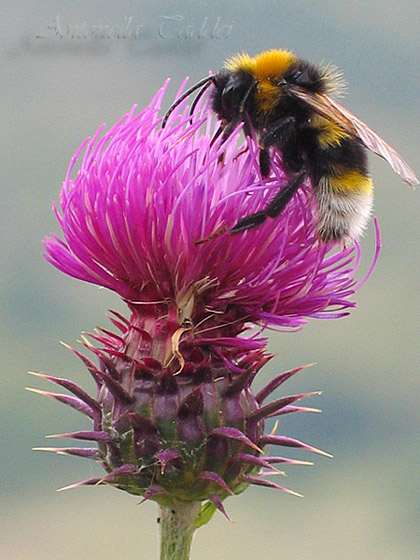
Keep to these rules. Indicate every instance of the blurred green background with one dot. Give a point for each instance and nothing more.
(55, 91)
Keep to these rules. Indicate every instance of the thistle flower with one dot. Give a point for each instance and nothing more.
(175, 418)
(143, 199)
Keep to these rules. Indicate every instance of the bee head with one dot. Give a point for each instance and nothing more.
(231, 93)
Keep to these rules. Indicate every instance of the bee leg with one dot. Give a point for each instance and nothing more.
(279, 202)
(275, 207)
(278, 132)
(225, 129)
(249, 222)
(264, 161)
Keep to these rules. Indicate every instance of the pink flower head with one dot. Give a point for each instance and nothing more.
(144, 196)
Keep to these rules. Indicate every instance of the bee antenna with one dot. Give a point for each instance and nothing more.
(200, 95)
(204, 82)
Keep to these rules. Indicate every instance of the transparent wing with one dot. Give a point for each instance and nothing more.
(333, 111)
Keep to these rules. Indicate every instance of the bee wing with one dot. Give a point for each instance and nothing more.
(333, 111)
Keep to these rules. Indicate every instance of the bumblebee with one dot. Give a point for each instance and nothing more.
(288, 103)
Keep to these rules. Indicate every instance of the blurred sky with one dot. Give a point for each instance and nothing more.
(55, 91)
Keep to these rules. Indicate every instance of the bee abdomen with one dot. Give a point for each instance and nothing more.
(344, 206)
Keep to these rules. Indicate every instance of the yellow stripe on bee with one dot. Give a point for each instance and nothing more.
(329, 133)
(267, 97)
(352, 180)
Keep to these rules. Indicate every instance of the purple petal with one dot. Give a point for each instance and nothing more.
(290, 442)
(152, 491)
(215, 500)
(253, 460)
(235, 434)
(73, 402)
(85, 435)
(216, 479)
(72, 387)
(119, 471)
(277, 381)
(86, 452)
(274, 407)
(268, 484)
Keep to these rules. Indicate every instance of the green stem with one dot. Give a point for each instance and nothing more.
(177, 529)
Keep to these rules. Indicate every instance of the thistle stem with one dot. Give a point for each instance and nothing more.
(177, 529)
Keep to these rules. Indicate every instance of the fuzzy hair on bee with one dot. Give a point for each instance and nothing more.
(289, 104)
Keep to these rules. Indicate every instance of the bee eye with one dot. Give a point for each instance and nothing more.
(228, 91)
(226, 97)
(231, 97)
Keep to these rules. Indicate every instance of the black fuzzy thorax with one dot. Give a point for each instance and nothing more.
(307, 76)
